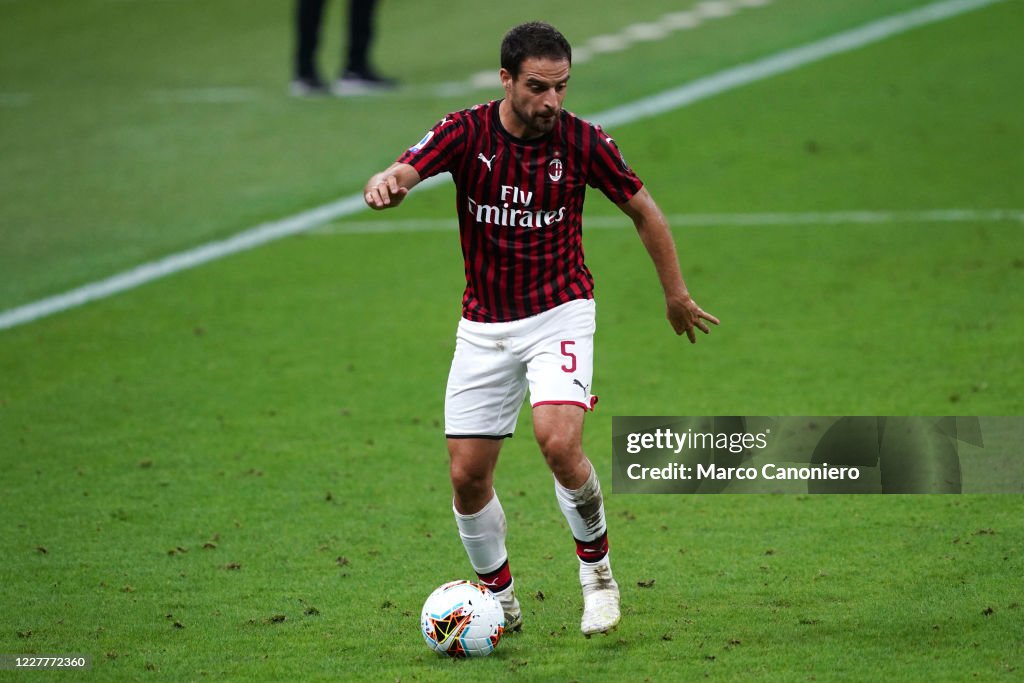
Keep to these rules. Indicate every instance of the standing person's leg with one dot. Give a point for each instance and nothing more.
(559, 431)
(358, 77)
(360, 35)
(308, 14)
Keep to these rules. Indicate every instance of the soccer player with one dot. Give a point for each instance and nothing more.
(521, 166)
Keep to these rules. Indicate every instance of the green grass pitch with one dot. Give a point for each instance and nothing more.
(238, 472)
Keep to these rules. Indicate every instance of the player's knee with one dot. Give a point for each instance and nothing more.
(557, 444)
(469, 482)
(561, 450)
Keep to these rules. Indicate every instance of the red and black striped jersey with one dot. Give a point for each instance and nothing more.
(520, 206)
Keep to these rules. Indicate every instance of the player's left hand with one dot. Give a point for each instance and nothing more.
(686, 316)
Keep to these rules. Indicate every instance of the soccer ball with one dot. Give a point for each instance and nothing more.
(462, 619)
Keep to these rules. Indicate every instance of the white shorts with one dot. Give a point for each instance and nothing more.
(552, 353)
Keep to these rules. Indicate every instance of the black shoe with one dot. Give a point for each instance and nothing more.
(307, 86)
(362, 83)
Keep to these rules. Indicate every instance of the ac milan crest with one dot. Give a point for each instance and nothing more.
(555, 170)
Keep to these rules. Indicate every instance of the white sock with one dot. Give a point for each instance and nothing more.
(483, 537)
(584, 511)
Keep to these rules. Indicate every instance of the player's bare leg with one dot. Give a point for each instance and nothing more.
(481, 520)
(559, 431)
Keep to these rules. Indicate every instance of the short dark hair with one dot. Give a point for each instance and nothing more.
(533, 39)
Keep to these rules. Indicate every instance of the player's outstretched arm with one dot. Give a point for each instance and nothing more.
(387, 189)
(683, 312)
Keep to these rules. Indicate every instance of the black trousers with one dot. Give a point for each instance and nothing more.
(308, 15)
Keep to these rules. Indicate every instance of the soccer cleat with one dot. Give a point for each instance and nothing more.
(513, 613)
(600, 598)
(513, 624)
(362, 83)
(307, 86)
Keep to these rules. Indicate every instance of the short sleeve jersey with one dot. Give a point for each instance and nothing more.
(520, 206)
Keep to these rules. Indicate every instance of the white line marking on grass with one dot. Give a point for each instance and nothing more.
(715, 10)
(383, 227)
(646, 32)
(681, 21)
(176, 263)
(696, 220)
(604, 44)
(652, 106)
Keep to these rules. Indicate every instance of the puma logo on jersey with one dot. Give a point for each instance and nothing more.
(487, 161)
(581, 386)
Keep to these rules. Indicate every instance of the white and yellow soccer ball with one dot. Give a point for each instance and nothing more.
(462, 619)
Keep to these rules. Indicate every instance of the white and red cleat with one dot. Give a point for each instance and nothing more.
(513, 613)
(601, 611)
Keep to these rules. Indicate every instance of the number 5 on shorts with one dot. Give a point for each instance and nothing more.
(570, 355)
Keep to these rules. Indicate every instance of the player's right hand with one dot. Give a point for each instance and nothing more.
(384, 192)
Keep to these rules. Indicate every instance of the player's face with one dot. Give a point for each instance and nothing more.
(536, 95)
